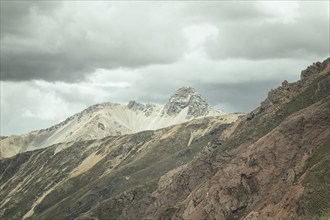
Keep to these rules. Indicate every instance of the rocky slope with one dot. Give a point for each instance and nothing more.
(270, 164)
(109, 119)
(67, 179)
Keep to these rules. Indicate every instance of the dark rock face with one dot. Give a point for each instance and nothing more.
(101, 126)
(135, 106)
(314, 69)
(186, 97)
(250, 116)
(149, 108)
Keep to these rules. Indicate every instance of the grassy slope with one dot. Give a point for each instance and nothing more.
(317, 183)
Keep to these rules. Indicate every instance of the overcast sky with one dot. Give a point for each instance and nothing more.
(58, 58)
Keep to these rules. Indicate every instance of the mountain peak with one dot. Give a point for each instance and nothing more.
(186, 97)
(185, 89)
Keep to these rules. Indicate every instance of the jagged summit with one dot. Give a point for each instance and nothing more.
(134, 105)
(148, 108)
(313, 69)
(186, 97)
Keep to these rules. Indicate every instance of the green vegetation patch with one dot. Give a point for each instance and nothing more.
(317, 183)
(309, 96)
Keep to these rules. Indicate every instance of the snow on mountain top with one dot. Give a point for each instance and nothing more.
(186, 97)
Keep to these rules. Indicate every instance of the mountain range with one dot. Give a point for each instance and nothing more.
(272, 163)
(110, 119)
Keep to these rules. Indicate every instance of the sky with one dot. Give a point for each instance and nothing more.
(59, 57)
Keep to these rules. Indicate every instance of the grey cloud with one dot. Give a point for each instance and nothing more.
(17, 98)
(265, 41)
(31, 65)
(15, 13)
(61, 41)
(305, 36)
(67, 47)
(223, 11)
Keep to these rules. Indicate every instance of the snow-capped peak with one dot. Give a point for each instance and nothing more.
(186, 97)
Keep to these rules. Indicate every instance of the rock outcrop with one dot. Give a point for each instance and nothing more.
(314, 69)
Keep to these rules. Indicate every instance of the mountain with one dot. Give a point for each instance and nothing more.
(270, 164)
(187, 99)
(109, 119)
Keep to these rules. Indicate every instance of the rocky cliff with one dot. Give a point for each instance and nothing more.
(270, 164)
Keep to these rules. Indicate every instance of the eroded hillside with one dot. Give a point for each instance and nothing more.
(68, 179)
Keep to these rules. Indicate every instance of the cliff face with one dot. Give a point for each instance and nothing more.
(271, 164)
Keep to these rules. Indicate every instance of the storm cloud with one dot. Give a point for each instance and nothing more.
(59, 57)
(66, 42)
